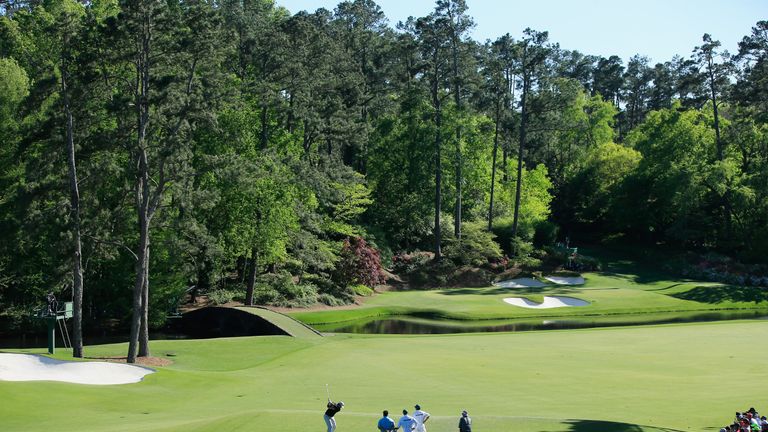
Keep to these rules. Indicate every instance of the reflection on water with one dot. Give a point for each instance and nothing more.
(25, 341)
(409, 326)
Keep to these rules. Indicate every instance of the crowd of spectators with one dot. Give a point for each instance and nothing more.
(748, 421)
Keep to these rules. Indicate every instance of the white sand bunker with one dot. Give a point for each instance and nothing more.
(25, 367)
(578, 280)
(520, 283)
(548, 303)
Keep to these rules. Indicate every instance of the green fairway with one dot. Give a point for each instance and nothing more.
(665, 377)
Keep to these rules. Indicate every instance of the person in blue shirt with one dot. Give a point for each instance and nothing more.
(386, 424)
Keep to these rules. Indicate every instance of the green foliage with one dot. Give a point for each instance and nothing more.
(676, 148)
(594, 192)
(362, 290)
(14, 85)
(271, 138)
(534, 207)
(477, 246)
(222, 296)
(279, 289)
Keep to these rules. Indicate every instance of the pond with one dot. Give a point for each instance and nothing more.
(405, 325)
(37, 340)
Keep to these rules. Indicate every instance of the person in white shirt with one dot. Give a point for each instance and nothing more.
(421, 418)
(406, 422)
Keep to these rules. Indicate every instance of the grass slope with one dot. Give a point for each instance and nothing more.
(288, 324)
(668, 377)
(611, 293)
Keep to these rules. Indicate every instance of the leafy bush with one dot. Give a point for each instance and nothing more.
(546, 233)
(362, 290)
(521, 249)
(330, 300)
(279, 289)
(476, 247)
(407, 263)
(719, 268)
(221, 296)
(327, 287)
(358, 264)
(265, 295)
(585, 263)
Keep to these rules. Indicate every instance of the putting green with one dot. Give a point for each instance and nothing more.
(609, 294)
(675, 377)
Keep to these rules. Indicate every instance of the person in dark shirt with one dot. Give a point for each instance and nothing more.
(51, 301)
(333, 408)
(465, 422)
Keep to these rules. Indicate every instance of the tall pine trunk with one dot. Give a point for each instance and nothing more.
(144, 327)
(251, 279)
(74, 199)
(457, 100)
(493, 164)
(523, 124)
(438, 156)
(144, 216)
(726, 199)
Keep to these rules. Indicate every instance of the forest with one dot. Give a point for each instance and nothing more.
(153, 150)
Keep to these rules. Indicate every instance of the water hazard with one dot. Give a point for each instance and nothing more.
(406, 325)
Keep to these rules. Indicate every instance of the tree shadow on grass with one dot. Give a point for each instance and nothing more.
(719, 294)
(641, 265)
(495, 291)
(605, 426)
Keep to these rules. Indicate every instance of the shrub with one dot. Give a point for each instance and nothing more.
(362, 290)
(221, 296)
(520, 248)
(718, 268)
(330, 300)
(546, 233)
(407, 263)
(358, 264)
(477, 246)
(265, 295)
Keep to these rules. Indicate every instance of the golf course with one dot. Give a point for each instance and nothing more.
(673, 377)
(299, 215)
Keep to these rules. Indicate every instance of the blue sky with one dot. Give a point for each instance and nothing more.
(658, 29)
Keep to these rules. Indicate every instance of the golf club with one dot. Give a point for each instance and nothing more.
(328, 391)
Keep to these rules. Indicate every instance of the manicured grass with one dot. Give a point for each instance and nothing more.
(609, 294)
(291, 326)
(675, 377)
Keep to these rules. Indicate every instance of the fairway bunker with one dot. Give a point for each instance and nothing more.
(520, 283)
(560, 280)
(26, 367)
(548, 303)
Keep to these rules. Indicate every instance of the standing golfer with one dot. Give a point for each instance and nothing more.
(333, 408)
(406, 422)
(421, 418)
(465, 422)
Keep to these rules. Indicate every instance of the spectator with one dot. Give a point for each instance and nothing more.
(386, 424)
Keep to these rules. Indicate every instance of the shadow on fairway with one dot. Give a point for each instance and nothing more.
(641, 266)
(719, 294)
(603, 426)
(495, 291)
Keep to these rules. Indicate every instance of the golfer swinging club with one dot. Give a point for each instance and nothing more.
(333, 408)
